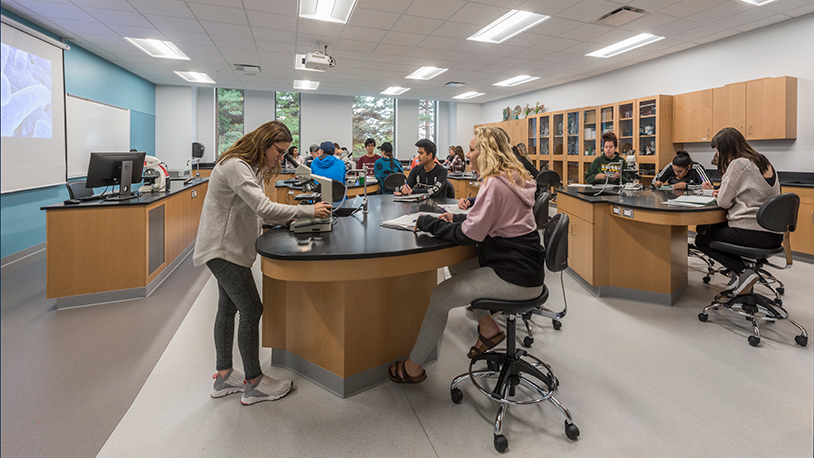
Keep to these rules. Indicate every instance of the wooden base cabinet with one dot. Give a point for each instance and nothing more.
(802, 239)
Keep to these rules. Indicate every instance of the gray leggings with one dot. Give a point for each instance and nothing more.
(237, 292)
(469, 282)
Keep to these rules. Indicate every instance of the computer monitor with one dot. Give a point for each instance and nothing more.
(110, 169)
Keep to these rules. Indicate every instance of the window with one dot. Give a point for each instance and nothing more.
(288, 112)
(230, 117)
(373, 117)
(426, 119)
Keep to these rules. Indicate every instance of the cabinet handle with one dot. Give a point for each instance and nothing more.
(812, 217)
(750, 130)
(707, 132)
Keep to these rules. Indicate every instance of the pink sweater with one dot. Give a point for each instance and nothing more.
(501, 210)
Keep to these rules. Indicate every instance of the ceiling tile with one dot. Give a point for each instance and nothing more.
(434, 8)
(699, 32)
(532, 54)
(478, 14)
(484, 59)
(469, 66)
(118, 17)
(415, 24)
(476, 47)
(801, 11)
(788, 5)
(356, 45)
(504, 3)
(686, 8)
(585, 32)
(279, 36)
(233, 42)
(172, 8)
(342, 54)
(402, 38)
(652, 5)
(556, 44)
(559, 57)
(503, 50)
(762, 23)
(581, 48)
(677, 27)
(137, 32)
(440, 43)
(588, 10)
(716, 36)
(393, 6)
(219, 14)
(455, 30)
(547, 7)
(681, 47)
(232, 53)
(180, 38)
(363, 17)
(226, 30)
(648, 23)
(119, 5)
(526, 40)
(271, 21)
(286, 8)
(58, 11)
(457, 56)
(382, 58)
(427, 53)
(555, 26)
(165, 23)
(750, 15)
(393, 50)
(313, 27)
(363, 34)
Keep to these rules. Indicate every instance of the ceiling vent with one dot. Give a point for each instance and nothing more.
(455, 84)
(621, 16)
(248, 70)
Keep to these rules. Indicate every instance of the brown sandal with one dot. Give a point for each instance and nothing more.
(393, 372)
(485, 344)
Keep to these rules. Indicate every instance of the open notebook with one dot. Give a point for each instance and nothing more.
(406, 222)
(692, 201)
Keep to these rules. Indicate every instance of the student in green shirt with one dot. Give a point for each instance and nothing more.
(596, 173)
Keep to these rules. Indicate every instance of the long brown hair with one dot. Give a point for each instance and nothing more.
(496, 156)
(252, 148)
(521, 147)
(731, 145)
(459, 151)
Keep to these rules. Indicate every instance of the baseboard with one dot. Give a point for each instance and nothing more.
(8, 261)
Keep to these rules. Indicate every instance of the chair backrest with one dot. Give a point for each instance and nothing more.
(556, 250)
(547, 178)
(394, 181)
(447, 190)
(77, 189)
(779, 214)
(541, 209)
(338, 190)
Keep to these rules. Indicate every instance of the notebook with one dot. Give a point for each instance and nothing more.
(406, 222)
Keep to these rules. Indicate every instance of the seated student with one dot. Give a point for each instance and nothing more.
(428, 176)
(510, 258)
(295, 153)
(386, 165)
(522, 155)
(448, 160)
(369, 159)
(458, 161)
(747, 181)
(314, 152)
(328, 165)
(598, 171)
(681, 172)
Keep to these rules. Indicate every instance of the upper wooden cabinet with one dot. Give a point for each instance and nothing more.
(771, 108)
(729, 107)
(692, 117)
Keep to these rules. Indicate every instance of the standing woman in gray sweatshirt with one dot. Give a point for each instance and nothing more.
(233, 212)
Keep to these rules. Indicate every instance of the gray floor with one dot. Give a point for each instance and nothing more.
(640, 379)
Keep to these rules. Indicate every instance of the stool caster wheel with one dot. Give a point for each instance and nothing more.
(778, 302)
(501, 443)
(706, 279)
(557, 324)
(781, 290)
(571, 431)
(754, 341)
(527, 341)
(801, 340)
(703, 317)
(457, 396)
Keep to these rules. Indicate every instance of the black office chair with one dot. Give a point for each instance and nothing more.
(547, 180)
(338, 190)
(447, 190)
(540, 209)
(514, 366)
(778, 214)
(77, 190)
(394, 181)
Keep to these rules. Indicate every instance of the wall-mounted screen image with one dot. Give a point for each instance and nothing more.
(26, 94)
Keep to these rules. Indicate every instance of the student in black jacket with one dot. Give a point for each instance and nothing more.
(682, 172)
(428, 176)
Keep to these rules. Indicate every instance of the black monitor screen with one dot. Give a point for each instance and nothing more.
(105, 169)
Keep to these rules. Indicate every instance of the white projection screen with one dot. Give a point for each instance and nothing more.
(33, 113)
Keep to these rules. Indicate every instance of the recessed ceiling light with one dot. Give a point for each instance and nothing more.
(395, 90)
(758, 2)
(299, 64)
(158, 48)
(626, 45)
(510, 24)
(455, 84)
(516, 80)
(327, 10)
(426, 73)
(196, 77)
(306, 85)
(468, 95)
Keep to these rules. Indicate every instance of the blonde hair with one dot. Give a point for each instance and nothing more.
(252, 148)
(523, 150)
(496, 157)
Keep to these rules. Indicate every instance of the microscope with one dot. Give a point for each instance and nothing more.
(306, 179)
(156, 175)
(631, 174)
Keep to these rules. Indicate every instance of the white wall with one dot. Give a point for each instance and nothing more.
(326, 118)
(468, 115)
(444, 134)
(173, 125)
(205, 133)
(258, 109)
(777, 50)
(406, 128)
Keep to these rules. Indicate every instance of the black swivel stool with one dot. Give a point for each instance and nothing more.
(77, 190)
(778, 214)
(546, 180)
(514, 366)
(394, 181)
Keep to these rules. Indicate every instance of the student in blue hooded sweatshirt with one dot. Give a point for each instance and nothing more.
(328, 165)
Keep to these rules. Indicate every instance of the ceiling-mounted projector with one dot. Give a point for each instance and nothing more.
(317, 61)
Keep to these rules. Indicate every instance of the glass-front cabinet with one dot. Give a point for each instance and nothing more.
(558, 125)
(574, 127)
(545, 141)
(627, 127)
(532, 145)
(647, 127)
(589, 132)
(606, 116)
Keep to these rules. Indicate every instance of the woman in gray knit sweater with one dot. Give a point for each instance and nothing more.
(747, 181)
(234, 207)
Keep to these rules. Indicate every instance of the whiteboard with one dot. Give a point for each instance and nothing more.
(94, 127)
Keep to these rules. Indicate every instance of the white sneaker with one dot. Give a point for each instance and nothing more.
(733, 281)
(233, 383)
(746, 281)
(266, 389)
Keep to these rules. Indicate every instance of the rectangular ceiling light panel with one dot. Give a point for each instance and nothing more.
(327, 10)
(299, 64)
(510, 24)
(196, 77)
(516, 80)
(158, 48)
(758, 2)
(468, 95)
(626, 45)
(306, 85)
(395, 90)
(426, 73)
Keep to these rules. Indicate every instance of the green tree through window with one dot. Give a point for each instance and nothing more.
(230, 118)
(288, 112)
(373, 117)
(426, 119)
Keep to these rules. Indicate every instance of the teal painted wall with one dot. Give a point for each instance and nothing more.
(86, 75)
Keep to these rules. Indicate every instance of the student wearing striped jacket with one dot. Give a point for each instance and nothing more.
(682, 172)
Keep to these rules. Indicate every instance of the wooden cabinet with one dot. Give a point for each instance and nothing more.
(581, 247)
(729, 107)
(516, 128)
(802, 239)
(654, 121)
(692, 117)
(771, 108)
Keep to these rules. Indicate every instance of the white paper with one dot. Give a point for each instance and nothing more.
(453, 208)
(406, 222)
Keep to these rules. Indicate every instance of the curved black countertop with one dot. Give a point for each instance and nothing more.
(793, 179)
(296, 185)
(647, 199)
(144, 199)
(358, 236)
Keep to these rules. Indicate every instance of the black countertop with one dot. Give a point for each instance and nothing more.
(799, 179)
(467, 176)
(143, 199)
(293, 185)
(358, 236)
(648, 199)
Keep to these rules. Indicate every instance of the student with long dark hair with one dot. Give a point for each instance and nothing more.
(682, 171)
(233, 210)
(747, 181)
(386, 165)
